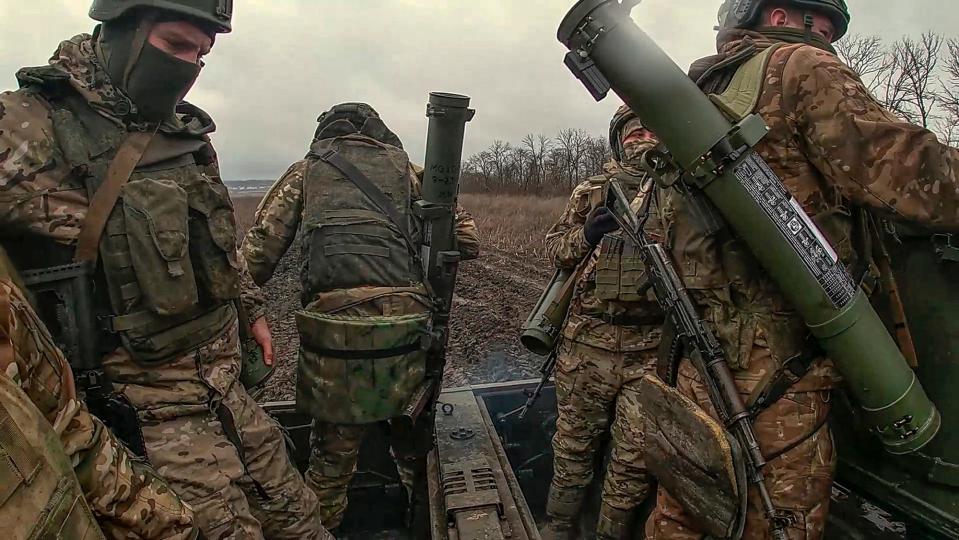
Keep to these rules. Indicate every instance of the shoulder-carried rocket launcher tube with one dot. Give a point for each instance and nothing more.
(448, 115)
(541, 330)
(609, 51)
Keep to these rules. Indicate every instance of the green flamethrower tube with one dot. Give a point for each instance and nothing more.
(609, 51)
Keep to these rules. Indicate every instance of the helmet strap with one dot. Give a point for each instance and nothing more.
(140, 37)
(808, 23)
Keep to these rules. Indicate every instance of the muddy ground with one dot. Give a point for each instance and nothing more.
(493, 297)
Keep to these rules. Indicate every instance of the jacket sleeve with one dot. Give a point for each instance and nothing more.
(874, 158)
(565, 241)
(128, 499)
(467, 235)
(277, 220)
(37, 192)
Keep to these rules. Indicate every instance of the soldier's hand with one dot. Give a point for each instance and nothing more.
(599, 222)
(262, 335)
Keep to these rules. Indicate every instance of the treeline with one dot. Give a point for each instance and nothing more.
(916, 78)
(538, 164)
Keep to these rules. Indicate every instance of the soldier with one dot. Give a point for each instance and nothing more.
(102, 164)
(366, 306)
(60, 462)
(844, 158)
(609, 342)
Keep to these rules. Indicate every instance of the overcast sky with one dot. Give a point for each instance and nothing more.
(288, 60)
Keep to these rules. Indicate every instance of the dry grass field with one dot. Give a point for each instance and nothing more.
(494, 293)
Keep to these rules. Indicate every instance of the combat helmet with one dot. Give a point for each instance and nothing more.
(218, 13)
(745, 13)
(624, 119)
(349, 118)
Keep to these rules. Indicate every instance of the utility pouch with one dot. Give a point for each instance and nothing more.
(360, 369)
(157, 227)
(608, 268)
(213, 240)
(358, 248)
(632, 275)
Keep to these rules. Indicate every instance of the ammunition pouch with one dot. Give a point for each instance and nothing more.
(168, 262)
(360, 369)
(620, 274)
(694, 458)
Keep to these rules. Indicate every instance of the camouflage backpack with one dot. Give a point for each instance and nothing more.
(362, 362)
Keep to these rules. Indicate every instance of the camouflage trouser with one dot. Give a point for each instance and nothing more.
(334, 449)
(799, 481)
(590, 385)
(191, 410)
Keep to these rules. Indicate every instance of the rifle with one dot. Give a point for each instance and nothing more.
(63, 298)
(707, 354)
(547, 370)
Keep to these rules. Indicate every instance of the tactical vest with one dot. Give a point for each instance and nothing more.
(619, 272)
(362, 359)
(348, 241)
(168, 258)
(39, 494)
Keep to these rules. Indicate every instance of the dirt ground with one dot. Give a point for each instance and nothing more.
(494, 293)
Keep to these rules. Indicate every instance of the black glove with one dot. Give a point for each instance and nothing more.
(599, 222)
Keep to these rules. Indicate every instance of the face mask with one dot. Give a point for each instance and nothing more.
(158, 81)
(635, 150)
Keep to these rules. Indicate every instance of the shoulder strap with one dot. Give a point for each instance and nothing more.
(105, 198)
(742, 95)
(369, 189)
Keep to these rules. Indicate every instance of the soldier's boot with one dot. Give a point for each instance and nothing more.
(562, 508)
(613, 523)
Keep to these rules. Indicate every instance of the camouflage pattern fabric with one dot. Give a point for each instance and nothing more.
(39, 193)
(177, 401)
(127, 498)
(334, 449)
(799, 481)
(835, 148)
(359, 390)
(566, 245)
(598, 360)
(332, 464)
(184, 410)
(280, 214)
(590, 384)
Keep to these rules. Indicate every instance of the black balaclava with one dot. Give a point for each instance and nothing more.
(154, 80)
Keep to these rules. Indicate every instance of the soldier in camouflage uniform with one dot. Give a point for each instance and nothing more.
(608, 343)
(843, 157)
(101, 163)
(366, 306)
(60, 462)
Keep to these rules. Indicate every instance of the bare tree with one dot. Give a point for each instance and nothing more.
(867, 56)
(948, 125)
(911, 88)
